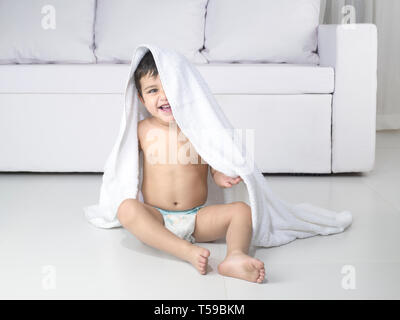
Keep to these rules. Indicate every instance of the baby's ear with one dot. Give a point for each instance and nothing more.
(139, 96)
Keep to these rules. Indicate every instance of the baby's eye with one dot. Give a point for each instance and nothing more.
(152, 90)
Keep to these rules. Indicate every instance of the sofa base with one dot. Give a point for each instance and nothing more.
(292, 132)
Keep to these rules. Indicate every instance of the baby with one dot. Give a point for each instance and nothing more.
(173, 216)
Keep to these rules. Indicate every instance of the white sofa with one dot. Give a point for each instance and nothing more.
(312, 113)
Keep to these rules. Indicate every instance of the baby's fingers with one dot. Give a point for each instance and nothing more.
(227, 184)
(235, 180)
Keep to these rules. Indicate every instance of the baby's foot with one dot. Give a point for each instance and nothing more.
(198, 257)
(240, 265)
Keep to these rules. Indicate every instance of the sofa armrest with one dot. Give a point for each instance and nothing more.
(351, 49)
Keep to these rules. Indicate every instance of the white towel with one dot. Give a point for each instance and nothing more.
(203, 122)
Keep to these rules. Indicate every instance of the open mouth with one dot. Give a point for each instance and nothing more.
(165, 108)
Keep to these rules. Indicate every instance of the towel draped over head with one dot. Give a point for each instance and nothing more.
(203, 122)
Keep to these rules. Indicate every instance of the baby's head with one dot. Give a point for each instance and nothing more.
(150, 90)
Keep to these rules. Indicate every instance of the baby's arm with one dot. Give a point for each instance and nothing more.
(139, 134)
(213, 171)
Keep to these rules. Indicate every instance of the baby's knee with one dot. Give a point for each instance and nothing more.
(242, 206)
(242, 209)
(126, 211)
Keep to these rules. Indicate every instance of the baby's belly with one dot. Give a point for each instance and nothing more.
(175, 188)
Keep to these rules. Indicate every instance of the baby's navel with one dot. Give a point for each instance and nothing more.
(175, 203)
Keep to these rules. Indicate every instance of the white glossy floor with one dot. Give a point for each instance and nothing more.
(49, 251)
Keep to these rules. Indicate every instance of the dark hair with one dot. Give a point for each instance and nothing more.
(146, 66)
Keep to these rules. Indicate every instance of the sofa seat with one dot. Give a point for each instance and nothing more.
(222, 78)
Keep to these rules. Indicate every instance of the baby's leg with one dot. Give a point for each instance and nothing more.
(147, 224)
(232, 220)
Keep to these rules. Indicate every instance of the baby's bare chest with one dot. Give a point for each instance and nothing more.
(169, 148)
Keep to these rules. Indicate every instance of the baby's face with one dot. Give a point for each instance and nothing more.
(154, 97)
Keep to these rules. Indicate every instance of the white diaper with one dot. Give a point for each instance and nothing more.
(181, 225)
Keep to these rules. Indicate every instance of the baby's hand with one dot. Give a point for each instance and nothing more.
(224, 181)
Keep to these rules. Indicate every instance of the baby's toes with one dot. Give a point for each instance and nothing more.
(203, 259)
(202, 269)
(202, 264)
(205, 253)
(261, 276)
(259, 264)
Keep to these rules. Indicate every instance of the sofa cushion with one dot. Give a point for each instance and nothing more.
(45, 31)
(221, 78)
(262, 31)
(121, 25)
